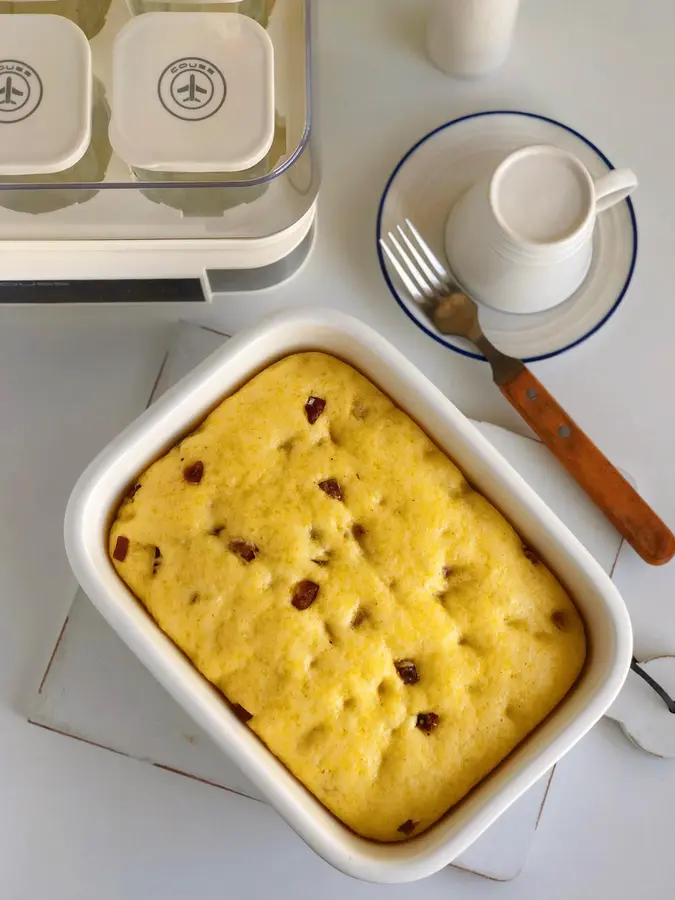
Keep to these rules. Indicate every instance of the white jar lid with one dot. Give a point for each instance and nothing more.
(45, 94)
(192, 92)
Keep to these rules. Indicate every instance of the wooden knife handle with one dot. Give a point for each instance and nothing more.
(623, 506)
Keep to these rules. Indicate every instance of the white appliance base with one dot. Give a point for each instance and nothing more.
(254, 263)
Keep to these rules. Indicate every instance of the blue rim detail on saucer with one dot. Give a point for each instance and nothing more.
(501, 112)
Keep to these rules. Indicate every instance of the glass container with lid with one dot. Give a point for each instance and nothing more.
(180, 126)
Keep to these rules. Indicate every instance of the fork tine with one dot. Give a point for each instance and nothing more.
(430, 255)
(413, 271)
(421, 262)
(410, 286)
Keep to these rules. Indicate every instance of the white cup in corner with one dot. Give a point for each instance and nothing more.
(521, 239)
(469, 38)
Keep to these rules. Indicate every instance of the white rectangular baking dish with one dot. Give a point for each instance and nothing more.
(97, 494)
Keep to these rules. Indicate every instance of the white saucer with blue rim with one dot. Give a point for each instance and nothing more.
(443, 165)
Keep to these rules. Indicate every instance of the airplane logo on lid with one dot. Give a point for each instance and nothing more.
(20, 91)
(9, 93)
(192, 89)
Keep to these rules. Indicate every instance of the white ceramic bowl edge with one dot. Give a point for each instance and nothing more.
(98, 490)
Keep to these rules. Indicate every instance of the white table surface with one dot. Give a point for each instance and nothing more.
(76, 822)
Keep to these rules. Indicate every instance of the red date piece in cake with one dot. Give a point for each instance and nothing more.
(559, 619)
(242, 714)
(427, 722)
(304, 594)
(407, 671)
(194, 473)
(531, 555)
(121, 549)
(332, 488)
(360, 616)
(313, 409)
(247, 550)
(408, 827)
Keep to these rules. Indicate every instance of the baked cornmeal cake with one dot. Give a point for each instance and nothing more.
(377, 623)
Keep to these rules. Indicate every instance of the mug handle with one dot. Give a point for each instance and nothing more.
(613, 187)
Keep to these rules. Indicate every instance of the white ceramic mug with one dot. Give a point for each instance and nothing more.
(521, 240)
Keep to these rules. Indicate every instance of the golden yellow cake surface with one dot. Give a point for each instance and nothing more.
(333, 574)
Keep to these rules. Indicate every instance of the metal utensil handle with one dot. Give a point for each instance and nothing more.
(654, 685)
(619, 501)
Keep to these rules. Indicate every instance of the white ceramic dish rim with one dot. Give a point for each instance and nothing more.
(109, 475)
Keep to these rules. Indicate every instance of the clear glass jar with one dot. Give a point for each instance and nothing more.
(90, 15)
(91, 168)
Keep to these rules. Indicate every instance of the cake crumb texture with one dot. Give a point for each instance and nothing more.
(375, 620)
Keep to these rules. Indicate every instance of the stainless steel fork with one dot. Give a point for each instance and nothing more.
(429, 283)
